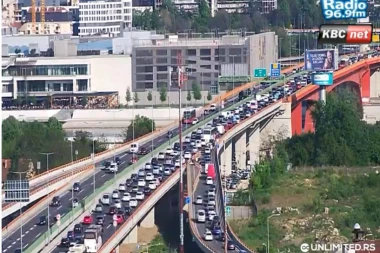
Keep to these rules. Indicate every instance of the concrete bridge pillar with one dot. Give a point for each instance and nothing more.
(240, 149)
(131, 237)
(297, 119)
(148, 221)
(375, 84)
(226, 160)
(254, 144)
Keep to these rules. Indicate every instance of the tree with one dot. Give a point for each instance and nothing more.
(149, 96)
(128, 96)
(136, 97)
(188, 97)
(197, 93)
(163, 94)
(84, 101)
(142, 126)
(50, 52)
(209, 96)
(33, 100)
(32, 52)
(17, 50)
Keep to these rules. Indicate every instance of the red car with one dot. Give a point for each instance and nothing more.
(134, 159)
(119, 219)
(87, 220)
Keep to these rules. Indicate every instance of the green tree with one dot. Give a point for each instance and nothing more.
(136, 97)
(149, 96)
(197, 93)
(188, 97)
(128, 96)
(142, 126)
(17, 50)
(209, 96)
(163, 94)
(84, 101)
(33, 100)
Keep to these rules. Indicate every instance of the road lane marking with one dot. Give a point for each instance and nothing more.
(70, 198)
(9, 247)
(103, 175)
(108, 226)
(123, 155)
(31, 228)
(18, 239)
(80, 191)
(13, 243)
(38, 235)
(26, 245)
(27, 232)
(59, 207)
(5, 250)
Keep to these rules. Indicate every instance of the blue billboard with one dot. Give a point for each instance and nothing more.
(275, 70)
(323, 79)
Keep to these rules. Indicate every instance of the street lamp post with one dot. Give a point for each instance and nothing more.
(48, 205)
(273, 215)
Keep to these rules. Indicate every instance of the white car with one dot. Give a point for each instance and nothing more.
(148, 166)
(199, 200)
(187, 139)
(141, 182)
(161, 156)
(114, 168)
(213, 107)
(122, 187)
(177, 163)
(133, 202)
(203, 142)
(105, 200)
(156, 170)
(198, 143)
(169, 151)
(195, 121)
(115, 194)
(135, 189)
(118, 204)
(209, 181)
(126, 197)
(211, 201)
(134, 148)
(194, 150)
(141, 173)
(211, 215)
(140, 196)
(208, 236)
(201, 216)
(207, 151)
(152, 185)
(199, 130)
(149, 177)
(75, 203)
(211, 192)
(175, 153)
(187, 155)
(167, 172)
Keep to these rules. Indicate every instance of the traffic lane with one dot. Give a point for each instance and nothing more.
(201, 190)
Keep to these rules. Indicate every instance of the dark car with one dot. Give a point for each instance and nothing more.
(217, 230)
(142, 151)
(129, 182)
(112, 210)
(100, 220)
(70, 235)
(147, 191)
(154, 161)
(107, 165)
(127, 210)
(134, 177)
(170, 134)
(65, 243)
(121, 212)
(76, 187)
(56, 201)
(78, 229)
(230, 245)
(42, 221)
(117, 160)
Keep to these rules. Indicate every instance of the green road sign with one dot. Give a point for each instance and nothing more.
(228, 210)
(259, 73)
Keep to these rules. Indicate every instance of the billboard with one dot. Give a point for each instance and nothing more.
(323, 79)
(321, 59)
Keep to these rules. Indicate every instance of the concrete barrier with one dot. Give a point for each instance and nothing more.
(29, 115)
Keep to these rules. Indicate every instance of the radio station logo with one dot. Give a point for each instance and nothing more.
(344, 9)
(345, 34)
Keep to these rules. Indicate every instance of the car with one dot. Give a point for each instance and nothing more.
(209, 181)
(42, 221)
(141, 173)
(142, 151)
(169, 134)
(207, 151)
(134, 159)
(230, 245)
(114, 167)
(217, 230)
(195, 121)
(161, 156)
(156, 170)
(115, 194)
(208, 235)
(199, 200)
(70, 235)
(149, 177)
(148, 166)
(65, 242)
(87, 220)
(211, 201)
(112, 210)
(129, 182)
(211, 192)
(98, 208)
(187, 155)
(169, 151)
(117, 203)
(135, 189)
(78, 229)
(126, 197)
(147, 191)
(76, 187)
(56, 201)
(127, 210)
(105, 200)
(74, 203)
(100, 220)
(134, 148)
(106, 165)
(167, 172)
(187, 139)
(201, 215)
(133, 202)
(140, 196)
(117, 160)
(211, 215)
(119, 219)
(152, 185)
(141, 182)
(122, 187)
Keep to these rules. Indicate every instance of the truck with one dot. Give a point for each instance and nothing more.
(220, 129)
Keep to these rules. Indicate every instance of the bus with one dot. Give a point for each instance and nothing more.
(93, 238)
(189, 115)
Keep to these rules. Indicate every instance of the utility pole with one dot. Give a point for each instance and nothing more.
(224, 195)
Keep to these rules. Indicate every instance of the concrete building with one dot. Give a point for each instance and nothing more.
(104, 17)
(43, 77)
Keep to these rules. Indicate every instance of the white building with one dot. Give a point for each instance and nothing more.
(43, 77)
(104, 17)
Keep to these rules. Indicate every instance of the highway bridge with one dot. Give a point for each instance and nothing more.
(358, 75)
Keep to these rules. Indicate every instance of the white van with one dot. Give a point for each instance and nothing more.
(213, 107)
(134, 148)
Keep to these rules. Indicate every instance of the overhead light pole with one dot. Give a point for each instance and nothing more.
(273, 215)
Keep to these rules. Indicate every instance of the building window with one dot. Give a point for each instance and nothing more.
(161, 52)
(148, 85)
(206, 58)
(191, 52)
(162, 76)
(82, 85)
(205, 51)
(68, 87)
(144, 53)
(206, 66)
(162, 60)
(162, 68)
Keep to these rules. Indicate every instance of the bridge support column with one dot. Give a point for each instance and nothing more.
(148, 221)
(375, 84)
(240, 149)
(131, 237)
(309, 124)
(254, 144)
(365, 85)
(226, 160)
(297, 119)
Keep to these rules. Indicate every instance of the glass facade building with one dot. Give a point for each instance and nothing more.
(46, 70)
